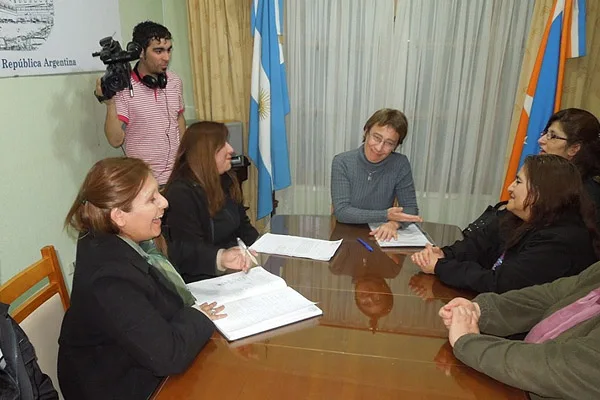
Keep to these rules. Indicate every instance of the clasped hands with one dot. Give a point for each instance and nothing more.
(395, 215)
(461, 317)
(427, 258)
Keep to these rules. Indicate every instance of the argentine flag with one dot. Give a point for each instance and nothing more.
(564, 37)
(269, 104)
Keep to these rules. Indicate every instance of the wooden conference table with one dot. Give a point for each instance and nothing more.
(379, 337)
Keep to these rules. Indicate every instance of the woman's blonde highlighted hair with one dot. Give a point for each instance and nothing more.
(110, 183)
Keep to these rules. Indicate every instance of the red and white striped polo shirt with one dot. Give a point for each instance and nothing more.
(152, 131)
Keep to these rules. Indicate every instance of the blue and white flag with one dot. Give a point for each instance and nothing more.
(269, 104)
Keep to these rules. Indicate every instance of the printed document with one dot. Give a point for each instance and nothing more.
(410, 236)
(296, 246)
(254, 302)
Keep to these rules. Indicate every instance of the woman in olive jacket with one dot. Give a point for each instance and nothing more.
(558, 359)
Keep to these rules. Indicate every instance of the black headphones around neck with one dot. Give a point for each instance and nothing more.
(158, 82)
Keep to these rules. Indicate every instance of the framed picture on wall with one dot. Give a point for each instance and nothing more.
(40, 37)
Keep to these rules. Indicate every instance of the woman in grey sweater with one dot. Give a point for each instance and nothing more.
(366, 181)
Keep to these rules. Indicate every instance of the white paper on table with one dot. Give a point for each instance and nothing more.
(410, 236)
(296, 246)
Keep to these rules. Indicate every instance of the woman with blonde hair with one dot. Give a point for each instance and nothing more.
(132, 320)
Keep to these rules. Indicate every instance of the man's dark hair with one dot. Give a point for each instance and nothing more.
(145, 32)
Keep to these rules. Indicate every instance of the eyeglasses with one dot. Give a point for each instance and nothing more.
(377, 140)
(551, 135)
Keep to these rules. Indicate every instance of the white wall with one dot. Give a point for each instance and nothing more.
(51, 134)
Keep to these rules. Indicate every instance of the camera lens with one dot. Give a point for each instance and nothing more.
(116, 78)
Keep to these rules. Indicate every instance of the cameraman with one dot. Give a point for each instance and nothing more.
(150, 123)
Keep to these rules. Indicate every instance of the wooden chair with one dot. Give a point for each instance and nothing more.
(41, 314)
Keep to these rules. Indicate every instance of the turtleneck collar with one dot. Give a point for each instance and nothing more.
(370, 166)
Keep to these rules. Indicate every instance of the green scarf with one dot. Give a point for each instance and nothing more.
(154, 257)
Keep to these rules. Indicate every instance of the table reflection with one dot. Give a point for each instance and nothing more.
(379, 335)
(380, 291)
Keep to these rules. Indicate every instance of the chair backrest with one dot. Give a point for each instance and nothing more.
(40, 316)
(47, 267)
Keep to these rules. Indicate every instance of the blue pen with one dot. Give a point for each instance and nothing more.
(364, 244)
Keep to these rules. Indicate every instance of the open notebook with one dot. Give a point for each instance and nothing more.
(254, 302)
(410, 236)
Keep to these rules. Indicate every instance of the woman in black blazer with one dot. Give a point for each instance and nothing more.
(548, 232)
(206, 213)
(131, 321)
(574, 134)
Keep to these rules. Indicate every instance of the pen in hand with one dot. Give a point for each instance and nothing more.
(246, 251)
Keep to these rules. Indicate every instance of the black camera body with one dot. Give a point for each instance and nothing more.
(118, 70)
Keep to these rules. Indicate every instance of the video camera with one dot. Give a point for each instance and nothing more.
(118, 70)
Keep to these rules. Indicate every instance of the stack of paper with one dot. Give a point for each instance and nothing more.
(254, 302)
(296, 246)
(410, 236)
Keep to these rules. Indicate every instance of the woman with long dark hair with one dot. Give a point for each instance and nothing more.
(574, 134)
(206, 213)
(548, 233)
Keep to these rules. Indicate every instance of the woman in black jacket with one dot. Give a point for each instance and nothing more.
(574, 134)
(571, 133)
(547, 233)
(206, 213)
(132, 321)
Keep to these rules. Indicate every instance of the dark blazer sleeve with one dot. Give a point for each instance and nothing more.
(247, 232)
(188, 232)
(542, 257)
(592, 187)
(164, 347)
